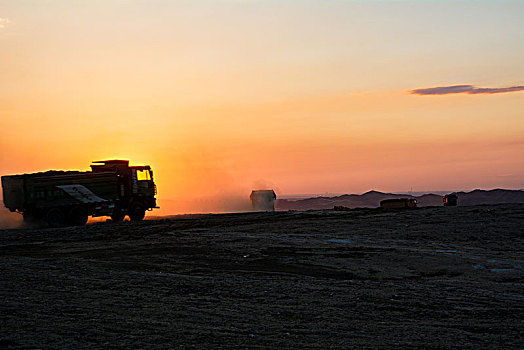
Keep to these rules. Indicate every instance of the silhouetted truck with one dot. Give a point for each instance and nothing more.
(263, 200)
(111, 188)
(450, 200)
(399, 203)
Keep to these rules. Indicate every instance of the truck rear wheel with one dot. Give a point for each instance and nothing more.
(55, 217)
(77, 216)
(137, 212)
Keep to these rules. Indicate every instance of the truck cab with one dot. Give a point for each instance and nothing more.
(137, 188)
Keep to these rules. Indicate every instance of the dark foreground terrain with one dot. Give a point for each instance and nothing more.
(441, 277)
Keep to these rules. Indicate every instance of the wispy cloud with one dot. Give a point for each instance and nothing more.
(3, 22)
(464, 89)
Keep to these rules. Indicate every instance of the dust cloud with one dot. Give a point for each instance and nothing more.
(8, 219)
(229, 203)
(205, 184)
(265, 185)
(232, 199)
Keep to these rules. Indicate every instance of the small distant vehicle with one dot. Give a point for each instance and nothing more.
(112, 188)
(450, 200)
(398, 203)
(263, 200)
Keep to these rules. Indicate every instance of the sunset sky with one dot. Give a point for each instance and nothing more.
(303, 96)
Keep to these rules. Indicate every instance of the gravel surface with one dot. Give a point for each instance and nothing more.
(441, 277)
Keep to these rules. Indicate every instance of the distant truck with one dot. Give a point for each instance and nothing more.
(112, 188)
(263, 200)
(450, 200)
(398, 203)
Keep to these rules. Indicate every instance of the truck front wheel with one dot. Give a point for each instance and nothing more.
(137, 212)
(55, 217)
(117, 215)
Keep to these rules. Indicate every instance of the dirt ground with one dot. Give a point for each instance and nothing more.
(442, 277)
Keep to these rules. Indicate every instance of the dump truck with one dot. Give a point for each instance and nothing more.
(263, 200)
(112, 188)
(398, 203)
(450, 200)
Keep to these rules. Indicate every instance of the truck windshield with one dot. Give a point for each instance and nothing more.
(143, 175)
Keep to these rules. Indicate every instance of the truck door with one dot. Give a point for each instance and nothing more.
(143, 182)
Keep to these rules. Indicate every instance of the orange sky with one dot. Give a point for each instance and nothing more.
(220, 97)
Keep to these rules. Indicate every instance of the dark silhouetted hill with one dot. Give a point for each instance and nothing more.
(372, 199)
(497, 196)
